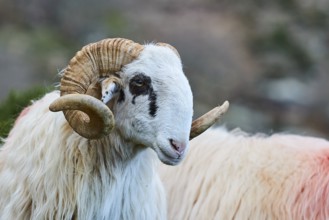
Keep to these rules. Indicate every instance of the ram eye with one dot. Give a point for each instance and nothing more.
(139, 84)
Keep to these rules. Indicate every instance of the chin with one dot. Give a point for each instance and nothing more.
(170, 162)
(169, 157)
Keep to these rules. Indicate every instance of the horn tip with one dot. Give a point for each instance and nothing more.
(224, 107)
(57, 104)
(53, 107)
(220, 110)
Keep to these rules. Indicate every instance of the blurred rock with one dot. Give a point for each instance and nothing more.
(268, 58)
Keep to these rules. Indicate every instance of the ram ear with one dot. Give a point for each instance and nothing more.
(110, 88)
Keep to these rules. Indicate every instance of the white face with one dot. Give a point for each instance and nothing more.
(154, 108)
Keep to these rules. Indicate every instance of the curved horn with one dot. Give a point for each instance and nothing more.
(205, 121)
(92, 62)
(97, 115)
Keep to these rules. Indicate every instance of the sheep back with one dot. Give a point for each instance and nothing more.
(231, 175)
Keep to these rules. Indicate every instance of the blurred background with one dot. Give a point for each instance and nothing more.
(268, 58)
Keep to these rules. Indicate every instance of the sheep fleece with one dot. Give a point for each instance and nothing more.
(231, 175)
(49, 172)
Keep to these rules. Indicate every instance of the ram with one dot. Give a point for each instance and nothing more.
(96, 161)
(233, 175)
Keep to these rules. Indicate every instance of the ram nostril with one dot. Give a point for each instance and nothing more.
(179, 147)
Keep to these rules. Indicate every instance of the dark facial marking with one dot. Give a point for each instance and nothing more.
(121, 97)
(142, 85)
(139, 85)
(153, 103)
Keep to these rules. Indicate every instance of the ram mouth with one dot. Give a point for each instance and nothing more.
(169, 158)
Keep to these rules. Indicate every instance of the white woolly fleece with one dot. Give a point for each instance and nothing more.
(231, 175)
(69, 176)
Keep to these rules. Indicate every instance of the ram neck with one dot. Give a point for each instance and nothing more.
(110, 152)
(113, 174)
(47, 171)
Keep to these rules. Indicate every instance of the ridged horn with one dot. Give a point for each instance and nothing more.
(207, 120)
(92, 62)
(97, 115)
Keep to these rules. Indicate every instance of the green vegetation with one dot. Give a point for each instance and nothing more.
(14, 104)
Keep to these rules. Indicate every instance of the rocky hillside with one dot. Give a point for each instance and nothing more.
(269, 58)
